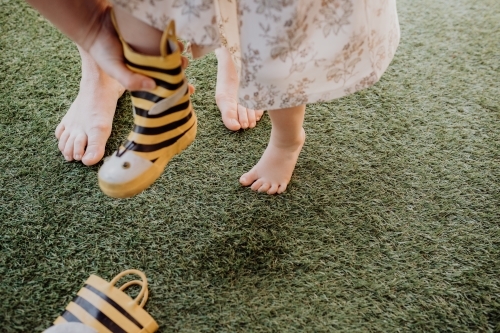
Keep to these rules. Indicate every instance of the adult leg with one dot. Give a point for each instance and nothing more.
(273, 171)
(86, 127)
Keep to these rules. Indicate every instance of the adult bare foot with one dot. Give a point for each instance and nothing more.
(234, 116)
(86, 127)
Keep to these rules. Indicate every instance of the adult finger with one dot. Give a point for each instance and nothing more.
(185, 62)
(192, 89)
(128, 79)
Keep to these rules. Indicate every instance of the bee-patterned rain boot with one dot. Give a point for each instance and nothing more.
(101, 307)
(164, 121)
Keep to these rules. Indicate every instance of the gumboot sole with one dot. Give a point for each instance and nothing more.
(143, 181)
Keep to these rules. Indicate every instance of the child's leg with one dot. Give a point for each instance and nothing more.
(234, 116)
(86, 127)
(273, 171)
(142, 37)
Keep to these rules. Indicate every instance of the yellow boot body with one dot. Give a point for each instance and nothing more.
(164, 121)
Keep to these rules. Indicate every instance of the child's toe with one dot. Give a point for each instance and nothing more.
(264, 188)
(257, 184)
(273, 189)
(248, 178)
(243, 116)
(282, 188)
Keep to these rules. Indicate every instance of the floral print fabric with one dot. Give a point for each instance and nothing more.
(288, 52)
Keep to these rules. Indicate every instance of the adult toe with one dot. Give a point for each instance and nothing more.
(59, 130)
(96, 142)
(63, 139)
(79, 146)
(68, 149)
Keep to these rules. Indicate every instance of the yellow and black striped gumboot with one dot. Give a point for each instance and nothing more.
(164, 121)
(100, 306)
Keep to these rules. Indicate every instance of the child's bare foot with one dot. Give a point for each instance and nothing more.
(273, 171)
(86, 127)
(234, 116)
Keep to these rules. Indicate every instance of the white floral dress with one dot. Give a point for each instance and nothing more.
(288, 52)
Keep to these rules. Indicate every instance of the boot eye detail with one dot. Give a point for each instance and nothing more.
(126, 165)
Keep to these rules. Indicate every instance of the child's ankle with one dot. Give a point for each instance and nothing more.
(287, 140)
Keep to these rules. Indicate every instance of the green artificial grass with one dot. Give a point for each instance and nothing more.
(391, 221)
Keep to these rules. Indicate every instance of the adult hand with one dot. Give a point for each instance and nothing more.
(88, 23)
(106, 49)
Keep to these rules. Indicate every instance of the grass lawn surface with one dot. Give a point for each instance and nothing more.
(391, 222)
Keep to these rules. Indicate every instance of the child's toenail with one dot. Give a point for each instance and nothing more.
(77, 157)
